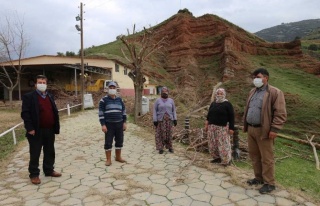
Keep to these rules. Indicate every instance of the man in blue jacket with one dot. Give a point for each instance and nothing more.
(41, 121)
(112, 117)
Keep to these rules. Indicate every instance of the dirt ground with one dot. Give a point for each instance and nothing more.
(9, 118)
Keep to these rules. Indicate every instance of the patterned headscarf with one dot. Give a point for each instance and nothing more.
(164, 90)
(223, 94)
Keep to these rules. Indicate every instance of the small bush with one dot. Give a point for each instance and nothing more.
(313, 47)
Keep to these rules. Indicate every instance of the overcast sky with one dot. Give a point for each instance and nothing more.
(50, 24)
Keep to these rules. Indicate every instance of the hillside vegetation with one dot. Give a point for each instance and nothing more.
(206, 50)
(287, 32)
(307, 30)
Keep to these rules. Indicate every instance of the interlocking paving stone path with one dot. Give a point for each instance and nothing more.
(147, 179)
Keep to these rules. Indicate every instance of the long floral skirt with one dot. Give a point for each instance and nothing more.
(219, 143)
(164, 133)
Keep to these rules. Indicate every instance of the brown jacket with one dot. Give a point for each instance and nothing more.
(273, 112)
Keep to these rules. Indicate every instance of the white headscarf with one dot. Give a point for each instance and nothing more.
(223, 99)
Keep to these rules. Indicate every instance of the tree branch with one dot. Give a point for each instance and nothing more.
(314, 151)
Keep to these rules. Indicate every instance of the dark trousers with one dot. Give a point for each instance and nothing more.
(115, 130)
(43, 138)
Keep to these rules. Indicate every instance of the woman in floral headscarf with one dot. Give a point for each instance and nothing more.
(219, 126)
(164, 117)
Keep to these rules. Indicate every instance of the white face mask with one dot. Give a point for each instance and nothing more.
(42, 87)
(112, 91)
(257, 82)
(219, 97)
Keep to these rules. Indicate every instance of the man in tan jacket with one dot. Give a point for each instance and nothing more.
(264, 116)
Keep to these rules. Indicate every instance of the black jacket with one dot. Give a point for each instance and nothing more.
(30, 112)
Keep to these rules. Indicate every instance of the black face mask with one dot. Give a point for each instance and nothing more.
(164, 95)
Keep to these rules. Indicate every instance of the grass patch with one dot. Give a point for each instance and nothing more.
(6, 142)
(303, 101)
(303, 174)
(9, 118)
(292, 168)
(301, 93)
(130, 118)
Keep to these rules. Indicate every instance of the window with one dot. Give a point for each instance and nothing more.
(117, 67)
(125, 71)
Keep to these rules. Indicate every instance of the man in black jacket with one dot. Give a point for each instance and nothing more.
(41, 121)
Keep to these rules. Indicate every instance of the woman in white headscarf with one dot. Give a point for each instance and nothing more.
(219, 126)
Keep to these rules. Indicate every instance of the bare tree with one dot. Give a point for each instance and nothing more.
(139, 47)
(13, 45)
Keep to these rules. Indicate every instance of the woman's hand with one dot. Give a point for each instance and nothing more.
(175, 122)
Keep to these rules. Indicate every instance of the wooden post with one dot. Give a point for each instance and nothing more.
(187, 127)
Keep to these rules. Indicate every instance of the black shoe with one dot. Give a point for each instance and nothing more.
(171, 150)
(226, 164)
(161, 151)
(255, 182)
(217, 160)
(266, 188)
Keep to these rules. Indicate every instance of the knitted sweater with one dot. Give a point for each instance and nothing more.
(112, 110)
(220, 114)
(46, 115)
(161, 107)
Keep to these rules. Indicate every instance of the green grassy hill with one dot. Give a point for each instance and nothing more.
(301, 89)
(287, 32)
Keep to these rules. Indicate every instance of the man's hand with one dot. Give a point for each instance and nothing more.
(231, 131)
(104, 128)
(124, 126)
(32, 132)
(272, 135)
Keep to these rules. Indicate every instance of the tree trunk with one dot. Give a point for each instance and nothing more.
(19, 87)
(137, 102)
(138, 89)
(10, 97)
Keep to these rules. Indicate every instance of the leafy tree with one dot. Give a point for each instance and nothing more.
(70, 54)
(60, 54)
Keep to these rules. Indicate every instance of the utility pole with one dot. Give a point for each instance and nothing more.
(82, 64)
(80, 29)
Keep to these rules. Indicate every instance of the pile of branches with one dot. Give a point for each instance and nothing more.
(63, 97)
(197, 141)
